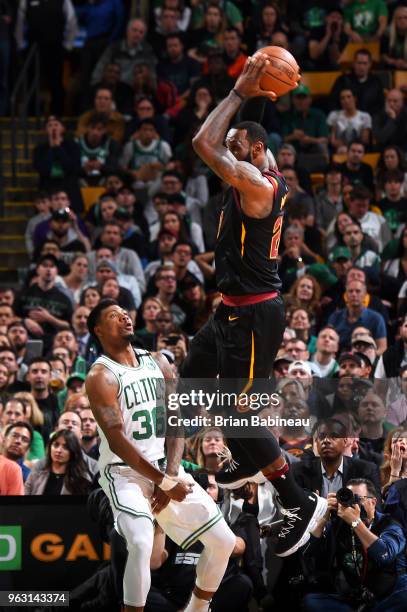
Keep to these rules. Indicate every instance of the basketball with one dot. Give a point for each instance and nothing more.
(283, 72)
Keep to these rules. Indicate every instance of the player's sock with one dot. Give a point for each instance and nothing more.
(197, 605)
(290, 493)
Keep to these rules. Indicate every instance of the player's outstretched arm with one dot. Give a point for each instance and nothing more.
(102, 388)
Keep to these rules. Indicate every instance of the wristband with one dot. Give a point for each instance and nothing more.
(239, 95)
(167, 483)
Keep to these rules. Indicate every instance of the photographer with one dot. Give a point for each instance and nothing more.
(363, 551)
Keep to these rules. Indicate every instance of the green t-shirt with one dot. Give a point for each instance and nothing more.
(232, 13)
(364, 16)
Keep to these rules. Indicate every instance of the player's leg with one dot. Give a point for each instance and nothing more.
(267, 322)
(219, 542)
(201, 360)
(139, 535)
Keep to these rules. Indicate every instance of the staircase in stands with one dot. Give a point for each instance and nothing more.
(18, 207)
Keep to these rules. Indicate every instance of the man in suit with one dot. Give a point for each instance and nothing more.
(331, 470)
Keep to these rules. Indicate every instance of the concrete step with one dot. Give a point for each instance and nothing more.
(13, 225)
(20, 194)
(11, 259)
(23, 179)
(21, 153)
(13, 242)
(19, 209)
(9, 278)
(23, 165)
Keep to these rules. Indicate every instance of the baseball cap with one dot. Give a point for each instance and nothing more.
(300, 365)
(106, 263)
(75, 376)
(355, 357)
(283, 357)
(49, 257)
(365, 339)
(302, 90)
(340, 253)
(60, 215)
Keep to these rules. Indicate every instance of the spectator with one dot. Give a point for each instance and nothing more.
(376, 536)
(125, 285)
(99, 152)
(299, 321)
(331, 470)
(11, 478)
(75, 280)
(351, 365)
(349, 123)
(64, 473)
(38, 377)
(234, 58)
(122, 93)
(367, 87)
(184, 266)
(354, 170)
(216, 79)
(371, 223)
(365, 344)
(58, 163)
(306, 128)
(16, 443)
(133, 237)
(294, 256)
(103, 23)
(211, 442)
(66, 339)
(363, 258)
(329, 201)
(199, 104)
(6, 317)
(365, 20)
(53, 29)
(393, 358)
(127, 53)
(110, 288)
(327, 347)
(305, 293)
(259, 32)
(149, 311)
(65, 232)
(90, 297)
(127, 262)
(166, 284)
(178, 68)
(79, 324)
(8, 358)
(209, 35)
(145, 155)
(195, 304)
(90, 437)
(389, 126)
(393, 43)
(394, 205)
(44, 307)
(12, 412)
(287, 156)
(168, 24)
(144, 107)
(371, 415)
(35, 418)
(4, 379)
(355, 314)
(391, 158)
(295, 439)
(184, 13)
(397, 411)
(326, 42)
(76, 403)
(42, 205)
(103, 105)
(296, 194)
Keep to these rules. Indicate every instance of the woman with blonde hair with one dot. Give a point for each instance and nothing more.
(150, 309)
(394, 44)
(35, 417)
(210, 444)
(305, 293)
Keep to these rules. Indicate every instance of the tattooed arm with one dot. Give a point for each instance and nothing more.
(175, 441)
(102, 388)
(209, 142)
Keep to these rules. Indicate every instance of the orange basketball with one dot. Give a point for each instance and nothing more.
(283, 72)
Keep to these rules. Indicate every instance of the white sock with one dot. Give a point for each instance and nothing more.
(197, 605)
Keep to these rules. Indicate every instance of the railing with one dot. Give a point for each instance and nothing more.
(26, 92)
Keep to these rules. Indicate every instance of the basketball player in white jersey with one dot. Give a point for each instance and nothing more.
(126, 390)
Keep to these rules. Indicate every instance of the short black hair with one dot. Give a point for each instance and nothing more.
(97, 119)
(9, 349)
(330, 423)
(25, 424)
(371, 489)
(182, 242)
(360, 192)
(39, 360)
(255, 132)
(94, 317)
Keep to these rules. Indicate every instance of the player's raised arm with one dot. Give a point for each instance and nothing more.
(209, 141)
(102, 389)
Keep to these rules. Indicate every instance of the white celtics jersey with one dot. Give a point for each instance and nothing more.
(141, 397)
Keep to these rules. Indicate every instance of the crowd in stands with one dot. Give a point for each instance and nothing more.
(140, 87)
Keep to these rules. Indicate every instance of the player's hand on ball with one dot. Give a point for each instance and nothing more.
(248, 82)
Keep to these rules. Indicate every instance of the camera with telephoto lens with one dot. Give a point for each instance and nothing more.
(347, 498)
